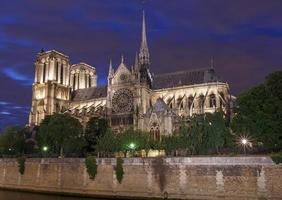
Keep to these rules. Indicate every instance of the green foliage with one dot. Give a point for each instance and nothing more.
(277, 158)
(259, 112)
(12, 141)
(95, 128)
(122, 142)
(107, 143)
(21, 164)
(61, 133)
(119, 169)
(173, 143)
(91, 166)
(206, 133)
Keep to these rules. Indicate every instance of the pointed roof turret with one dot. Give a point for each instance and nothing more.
(122, 59)
(212, 63)
(144, 51)
(136, 65)
(111, 71)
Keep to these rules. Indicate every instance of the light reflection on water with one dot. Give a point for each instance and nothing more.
(13, 195)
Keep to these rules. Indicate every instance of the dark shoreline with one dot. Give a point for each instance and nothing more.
(74, 195)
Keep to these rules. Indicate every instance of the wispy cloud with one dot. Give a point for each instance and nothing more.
(17, 76)
(5, 113)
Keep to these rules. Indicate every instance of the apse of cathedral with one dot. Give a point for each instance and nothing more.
(133, 96)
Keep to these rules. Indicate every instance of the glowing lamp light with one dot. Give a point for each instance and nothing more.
(132, 145)
(244, 141)
(45, 148)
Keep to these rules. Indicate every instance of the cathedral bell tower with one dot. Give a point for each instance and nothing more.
(51, 88)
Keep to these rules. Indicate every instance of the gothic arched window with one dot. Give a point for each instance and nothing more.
(201, 103)
(89, 81)
(74, 81)
(155, 131)
(62, 74)
(221, 99)
(190, 103)
(212, 101)
(57, 71)
(44, 72)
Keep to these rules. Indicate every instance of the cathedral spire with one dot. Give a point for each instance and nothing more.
(144, 51)
(111, 71)
(136, 63)
(122, 58)
(212, 63)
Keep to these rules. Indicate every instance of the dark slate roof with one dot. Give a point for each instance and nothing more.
(89, 93)
(181, 78)
(159, 107)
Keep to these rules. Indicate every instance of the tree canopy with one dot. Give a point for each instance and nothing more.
(259, 112)
(95, 128)
(61, 133)
(12, 140)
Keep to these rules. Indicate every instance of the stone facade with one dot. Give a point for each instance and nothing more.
(133, 96)
(176, 178)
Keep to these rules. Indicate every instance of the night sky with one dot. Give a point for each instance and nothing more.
(243, 36)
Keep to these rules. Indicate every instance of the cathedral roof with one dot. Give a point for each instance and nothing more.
(181, 78)
(89, 93)
(159, 107)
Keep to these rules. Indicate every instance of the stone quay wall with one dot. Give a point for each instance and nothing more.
(176, 178)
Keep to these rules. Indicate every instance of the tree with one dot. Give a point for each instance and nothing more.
(61, 133)
(12, 140)
(259, 112)
(107, 144)
(205, 133)
(95, 128)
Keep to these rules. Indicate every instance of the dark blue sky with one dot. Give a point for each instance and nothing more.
(243, 36)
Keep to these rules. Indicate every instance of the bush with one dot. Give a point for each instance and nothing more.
(119, 170)
(277, 158)
(91, 166)
(21, 164)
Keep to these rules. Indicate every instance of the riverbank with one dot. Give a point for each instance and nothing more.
(178, 178)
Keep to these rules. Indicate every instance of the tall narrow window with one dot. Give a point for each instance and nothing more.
(44, 72)
(78, 81)
(190, 103)
(74, 77)
(62, 74)
(89, 81)
(201, 103)
(212, 101)
(57, 70)
(85, 81)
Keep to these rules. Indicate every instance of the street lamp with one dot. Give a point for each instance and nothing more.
(132, 146)
(45, 148)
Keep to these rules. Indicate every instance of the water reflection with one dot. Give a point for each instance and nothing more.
(12, 195)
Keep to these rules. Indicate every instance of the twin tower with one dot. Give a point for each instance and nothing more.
(56, 79)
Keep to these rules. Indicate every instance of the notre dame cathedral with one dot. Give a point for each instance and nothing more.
(133, 96)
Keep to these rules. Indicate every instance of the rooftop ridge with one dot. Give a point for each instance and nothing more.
(182, 71)
(52, 50)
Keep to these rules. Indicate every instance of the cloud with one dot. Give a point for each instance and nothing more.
(15, 75)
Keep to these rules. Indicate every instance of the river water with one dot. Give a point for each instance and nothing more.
(12, 195)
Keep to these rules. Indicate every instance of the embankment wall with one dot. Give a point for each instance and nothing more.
(178, 178)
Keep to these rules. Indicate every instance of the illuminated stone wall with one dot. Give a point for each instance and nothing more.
(180, 178)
